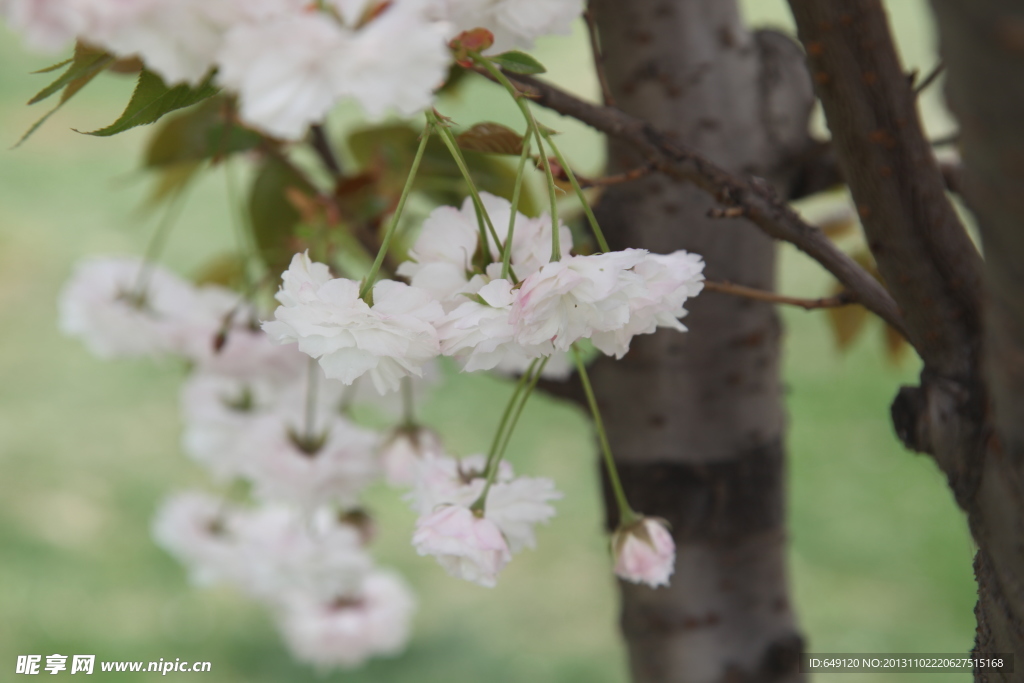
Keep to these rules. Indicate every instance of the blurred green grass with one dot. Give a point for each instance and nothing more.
(880, 556)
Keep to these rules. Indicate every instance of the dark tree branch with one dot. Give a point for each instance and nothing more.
(842, 299)
(923, 252)
(324, 150)
(595, 48)
(929, 79)
(982, 45)
(756, 198)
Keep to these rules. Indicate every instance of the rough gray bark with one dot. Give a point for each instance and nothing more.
(696, 420)
(968, 410)
(982, 43)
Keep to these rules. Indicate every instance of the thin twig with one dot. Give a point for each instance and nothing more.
(844, 298)
(595, 48)
(608, 180)
(946, 140)
(322, 146)
(760, 204)
(930, 78)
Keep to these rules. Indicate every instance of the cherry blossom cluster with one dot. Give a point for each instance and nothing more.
(489, 305)
(266, 415)
(290, 61)
(459, 304)
(262, 414)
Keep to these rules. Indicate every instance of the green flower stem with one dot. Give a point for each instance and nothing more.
(626, 513)
(506, 256)
(157, 242)
(602, 243)
(496, 442)
(483, 219)
(408, 407)
(515, 417)
(386, 242)
(243, 231)
(312, 377)
(513, 410)
(556, 248)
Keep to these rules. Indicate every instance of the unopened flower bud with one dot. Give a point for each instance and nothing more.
(644, 552)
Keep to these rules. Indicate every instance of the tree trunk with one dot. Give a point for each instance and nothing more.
(982, 45)
(696, 420)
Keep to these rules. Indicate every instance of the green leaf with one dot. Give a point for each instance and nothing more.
(85, 62)
(491, 137)
(152, 99)
(518, 63)
(84, 66)
(226, 270)
(274, 217)
(388, 151)
(53, 67)
(197, 134)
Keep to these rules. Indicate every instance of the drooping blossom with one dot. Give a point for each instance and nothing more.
(120, 307)
(273, 552)
(518, 505)
(344, 633)
(656, 298)
(468, 546)
(194, 528)
(334, 468)
(644, 552)
(285, 89)
(442, 259)
(287, 553)
(573, 298)
(514, 505)
(390, 340)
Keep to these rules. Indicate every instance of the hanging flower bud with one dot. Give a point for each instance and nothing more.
(644, 552)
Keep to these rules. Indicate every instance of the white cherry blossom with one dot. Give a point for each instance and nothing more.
(194, 528)
(344, 633)
(392, 339)
(514, 23)
(468, 546)
(571, 299)
(656, 298)
(118, 311)
(288, 72)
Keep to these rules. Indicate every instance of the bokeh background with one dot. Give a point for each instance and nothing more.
(880, 556)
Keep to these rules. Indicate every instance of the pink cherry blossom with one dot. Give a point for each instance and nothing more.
(468, 546)
(645, 552)
(344, 633)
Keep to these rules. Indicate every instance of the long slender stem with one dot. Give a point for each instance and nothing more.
(386, 242)
(408, 403)
(312, 377)
(506, 256)
(486, 227)
(496, 442)
(157, 243)
(243, 232)
(626, 513)
(598, 235)
(524, 107)
(513, 410)
(519, 409)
